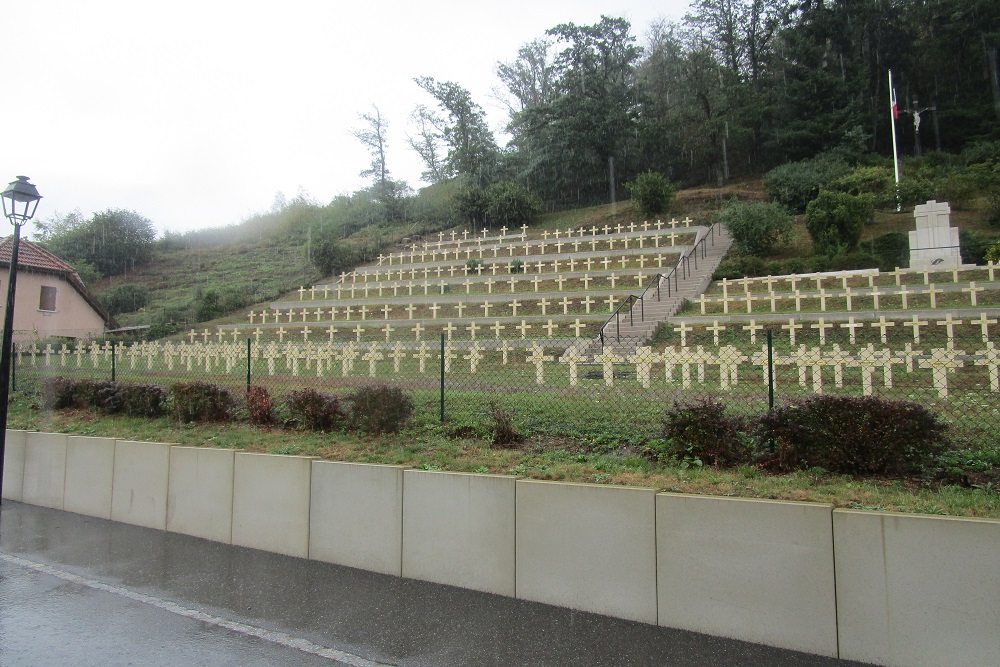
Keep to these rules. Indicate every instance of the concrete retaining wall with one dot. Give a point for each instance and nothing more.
(756, 570)
(200, 493)
(882, 588)
(458, 530)
(90, 468)
(917, 590)
(139, 488)
(271, 503)
(356, 516)
(13, 464)
(588, 547)
(44, 469)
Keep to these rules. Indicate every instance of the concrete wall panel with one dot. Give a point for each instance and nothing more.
(139, 491)
(917, 590)
(13, 464)
(44, 469)
(588, 547)
(356, 516)
(271, 503)
(458, 529)
(90, 469)
(200, 493)
(756, 570)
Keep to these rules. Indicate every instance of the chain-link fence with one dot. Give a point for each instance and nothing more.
(573, 387)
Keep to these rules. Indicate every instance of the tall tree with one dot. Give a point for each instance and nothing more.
(427, 142)
(373, 137)
(580, 142)
(113, 241)
(529, 78)
(472, 150)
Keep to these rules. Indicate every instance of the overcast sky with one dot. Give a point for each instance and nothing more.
(195, 114)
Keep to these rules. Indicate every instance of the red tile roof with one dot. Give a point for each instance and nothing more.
(31, 256)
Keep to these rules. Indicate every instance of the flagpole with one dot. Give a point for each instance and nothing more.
(893, 112)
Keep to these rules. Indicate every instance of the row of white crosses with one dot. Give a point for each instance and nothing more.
(875, 293)
(851, 325)
(525, 249)
(363, 313)
(188, 356)
(472, 327)
(427, 288)
(412, 273)
(942, 362)
(320, 357)
(569, 234)
(844, 277)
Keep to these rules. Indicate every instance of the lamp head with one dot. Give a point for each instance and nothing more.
(20, 201)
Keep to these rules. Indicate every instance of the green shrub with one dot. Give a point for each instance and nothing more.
(260, 408)
(735, 268)
(876, 180)
(795, 184)
(702, 432)
(993, 208)
(993, 253)
(126, 298)
(757, 228)
(974, 246)
(315, 411)
(835, 221)
(652, 192)
(793, 265)
(982, 152)
(985, 176)
(510, 204)
(58, 393)
(135, 400)
(517, 266)
(201, 401)
(379, 409)
(913, 191)
(854, 261)
(958, 189)
(891, 249)
(143, 400)
(851, 435)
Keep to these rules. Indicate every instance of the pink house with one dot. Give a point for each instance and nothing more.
(51, 300)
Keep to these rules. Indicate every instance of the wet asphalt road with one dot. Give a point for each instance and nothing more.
(78, 591)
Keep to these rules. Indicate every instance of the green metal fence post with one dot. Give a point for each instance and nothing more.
(249, 364)
(442, 378)
(770, 372)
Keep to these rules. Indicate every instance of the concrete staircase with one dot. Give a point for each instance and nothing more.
(633, 326)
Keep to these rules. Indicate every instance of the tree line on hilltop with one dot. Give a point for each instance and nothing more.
(735, 88)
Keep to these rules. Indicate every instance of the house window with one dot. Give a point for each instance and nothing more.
(47, 300)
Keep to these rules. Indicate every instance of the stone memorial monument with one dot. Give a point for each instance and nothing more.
(934, 244)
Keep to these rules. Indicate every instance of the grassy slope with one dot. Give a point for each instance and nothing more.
(265, 270)
(271, 267)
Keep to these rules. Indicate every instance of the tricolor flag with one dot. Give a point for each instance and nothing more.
(895, 105)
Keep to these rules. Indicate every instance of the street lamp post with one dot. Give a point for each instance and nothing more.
(20, 201)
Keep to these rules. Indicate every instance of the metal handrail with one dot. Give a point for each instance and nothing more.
(682, 264)
(630, 301)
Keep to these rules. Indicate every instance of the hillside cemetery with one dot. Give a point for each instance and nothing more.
(548, 322)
